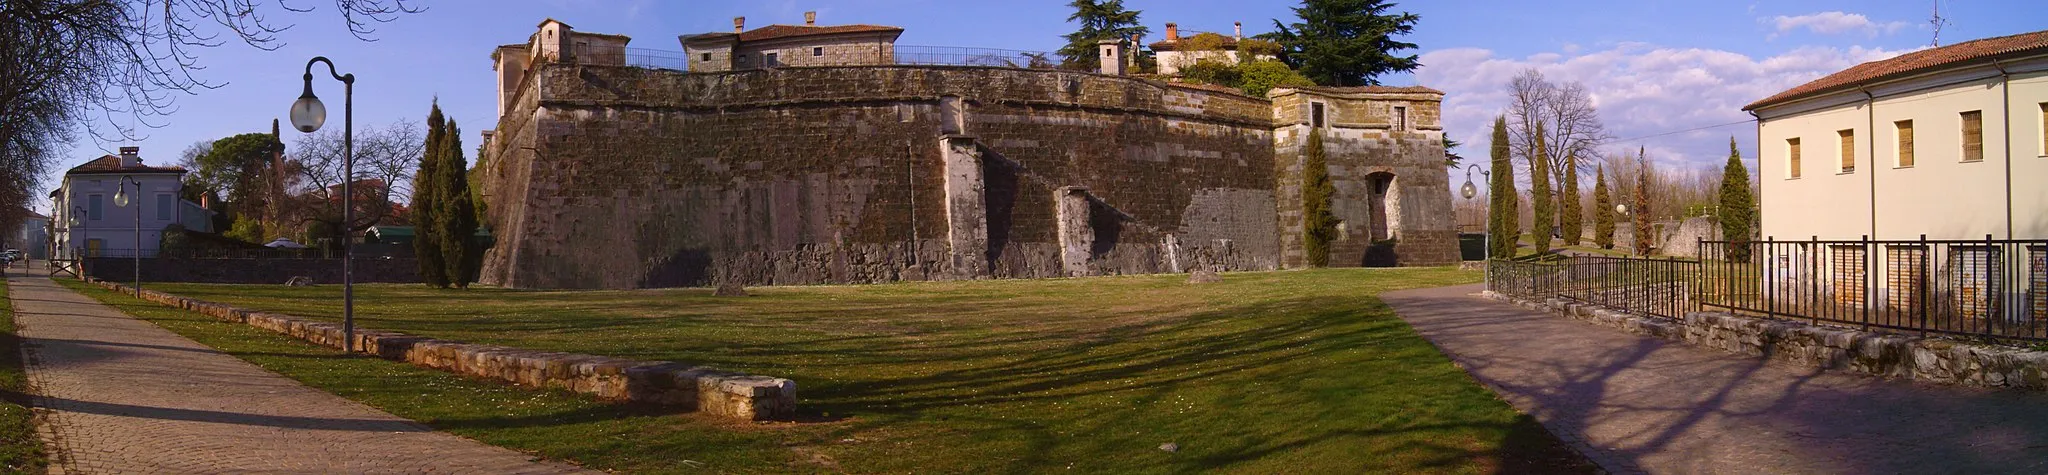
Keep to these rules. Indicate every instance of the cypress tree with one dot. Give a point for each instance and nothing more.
(1318, 226)
(1573, 223)
(456, 218)
(1738, 207)
(425, 201)
(1603, 210)
(1641, 209)
(1500, 193)
(1539, 191)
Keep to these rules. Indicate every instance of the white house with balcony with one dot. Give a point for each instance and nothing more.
(90, 221)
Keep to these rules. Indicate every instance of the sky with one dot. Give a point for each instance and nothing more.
(1667, 76)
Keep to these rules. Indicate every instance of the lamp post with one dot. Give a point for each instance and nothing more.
(1486, 238)
(78, 216)
(308, 114)
(121, 201)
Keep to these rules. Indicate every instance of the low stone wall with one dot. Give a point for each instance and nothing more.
(1892, 356)
(720, 393)
(396, 270)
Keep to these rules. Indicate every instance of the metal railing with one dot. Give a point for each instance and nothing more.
(635, 57)
(898, 54)
(1990, 288)
(1659, 287)
(959, 56)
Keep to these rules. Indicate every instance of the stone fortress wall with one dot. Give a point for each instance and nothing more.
(611, 176)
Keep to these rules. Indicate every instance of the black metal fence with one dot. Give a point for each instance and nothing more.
(1983, 288)
(1991, 288)
(959, 56)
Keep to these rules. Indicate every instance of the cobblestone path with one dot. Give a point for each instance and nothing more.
(120, 395)
(1640, 404)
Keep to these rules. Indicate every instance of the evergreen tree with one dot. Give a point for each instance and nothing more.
(456, 217)
(1503, 202)
(1345, 42)
(1319, 225)
(1573, 222)
(1100, 20)
(1539, 192)
(1738, 207)
(1641, 209)
(1603, 210)
(425, 204)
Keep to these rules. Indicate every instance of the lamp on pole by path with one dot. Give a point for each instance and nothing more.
(121, 201)
(1470, 191)
(308, 114)
(78, 216)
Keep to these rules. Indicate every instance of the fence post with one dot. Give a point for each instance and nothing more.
(1863, 294)
(1924, 282)
(1767, 276)
(1992, 291)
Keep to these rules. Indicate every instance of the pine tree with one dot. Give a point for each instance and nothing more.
(1603, 210)
(1539, 191)
(1738, 207)
(1641, 209)
(1319, 225)
(1573, 222)
(1100, 20)
(425, 204)
(456, 217)
(1346, 42)
(1503, 200)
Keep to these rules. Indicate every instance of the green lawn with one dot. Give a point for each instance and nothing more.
(1264, 373)
(20, 450)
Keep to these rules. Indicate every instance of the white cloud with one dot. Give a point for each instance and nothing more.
(1833, 23)
(1640, 90)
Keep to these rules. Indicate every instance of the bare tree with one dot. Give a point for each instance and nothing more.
(385, 159)
(1571, 126)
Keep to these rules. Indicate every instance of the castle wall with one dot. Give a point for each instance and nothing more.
(1364, 139)
(612, 177)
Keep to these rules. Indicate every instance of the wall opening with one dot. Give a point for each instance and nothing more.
(1315, 114)
(1379, 189)
(952, 116)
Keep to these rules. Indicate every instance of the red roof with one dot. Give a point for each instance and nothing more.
(1372, 90)
(112, 164)
(1229, 43)
(1915, 62)
(771, 32)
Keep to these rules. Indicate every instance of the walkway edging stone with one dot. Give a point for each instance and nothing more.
(710, 391)
(1891, 356)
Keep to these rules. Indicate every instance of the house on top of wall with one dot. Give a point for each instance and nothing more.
(790, 45)
(1177, 52)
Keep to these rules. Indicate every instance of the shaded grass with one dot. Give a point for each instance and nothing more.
(1266, 372)
(21, 450)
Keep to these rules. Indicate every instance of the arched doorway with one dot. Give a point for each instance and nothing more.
(1382, 206)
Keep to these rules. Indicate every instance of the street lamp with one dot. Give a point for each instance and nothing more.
(1486, 238)
(308, 114)
(121, 201)
(78, 216)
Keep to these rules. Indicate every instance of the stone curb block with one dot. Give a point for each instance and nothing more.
(1891, 356)
(707, 390)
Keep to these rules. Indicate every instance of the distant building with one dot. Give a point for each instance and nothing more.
(1177, 52)
(33, 239)
(1947, 142)
(102, 227)
(791, 45)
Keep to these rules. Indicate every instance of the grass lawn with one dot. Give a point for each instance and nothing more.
(20, 449)
(1267, 372)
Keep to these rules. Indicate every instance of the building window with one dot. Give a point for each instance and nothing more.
(1315, 114)
(704, 57)
(95, 246)
(1848, 150)
(1792, 157)
(770, 61)
(817, 51)
(92, 207)
(1400, 119)
(164, 207)
(1904, 130)
(2044, 129)
(1973, 136)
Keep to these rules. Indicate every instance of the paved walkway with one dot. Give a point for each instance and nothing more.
(1639, 404)
(121, 395)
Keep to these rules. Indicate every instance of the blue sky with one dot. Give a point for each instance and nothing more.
(1653, 66)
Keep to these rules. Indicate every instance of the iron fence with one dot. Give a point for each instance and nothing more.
(959, 56)
(1990, 288)
(1659, 287)
(606, 55)
(609, 55)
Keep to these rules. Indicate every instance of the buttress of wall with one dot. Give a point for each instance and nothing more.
(630, 177)
(1387, 166)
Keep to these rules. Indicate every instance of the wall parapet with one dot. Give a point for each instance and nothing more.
(719, 393)
(1891, 356)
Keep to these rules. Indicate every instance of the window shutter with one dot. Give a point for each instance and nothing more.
(1905, 130)
(1792, 160)
(1848, 150)
(1973, 136)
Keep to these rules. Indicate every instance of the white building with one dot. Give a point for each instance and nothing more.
(1173, 53)
(33, 239)
(1946, 142)
(776, 46)
(88, 220)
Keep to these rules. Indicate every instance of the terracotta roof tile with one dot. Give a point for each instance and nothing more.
(790, 31)
(1914, 62)
(112, 164)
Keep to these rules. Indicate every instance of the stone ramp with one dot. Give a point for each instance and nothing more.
(120, 395)
(1642, 404)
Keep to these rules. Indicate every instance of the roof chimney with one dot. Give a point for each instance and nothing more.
(1240, 30)
(1172, 32)
(129, 157)
(810, 18)
(739, 24)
